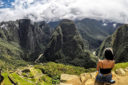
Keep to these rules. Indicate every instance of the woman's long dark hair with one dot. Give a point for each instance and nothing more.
(108, 54)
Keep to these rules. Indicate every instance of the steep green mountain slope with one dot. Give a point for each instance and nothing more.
(10, 50)
(119, 42)
(95, 31)
(67, 46)
(10, 55)
(92, 31)
(22, 40)
(33, 38)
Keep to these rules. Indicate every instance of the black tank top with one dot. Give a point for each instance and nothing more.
(105, 71)
(1, 79)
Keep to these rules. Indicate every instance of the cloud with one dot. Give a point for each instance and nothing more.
(52, 10)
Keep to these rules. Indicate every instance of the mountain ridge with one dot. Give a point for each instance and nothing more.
(92, 31)
(118, 41)
(22, 40)
(67, 46)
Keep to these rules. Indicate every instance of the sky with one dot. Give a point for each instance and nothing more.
(53, 10)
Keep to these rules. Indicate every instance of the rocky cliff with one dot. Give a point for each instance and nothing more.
(67, 46)
(93, 31)
(28, 38)
(119, 42)
(33, 37)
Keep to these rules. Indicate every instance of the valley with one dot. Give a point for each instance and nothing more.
(35, 53)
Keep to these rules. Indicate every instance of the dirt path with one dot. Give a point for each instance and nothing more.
(120, 80)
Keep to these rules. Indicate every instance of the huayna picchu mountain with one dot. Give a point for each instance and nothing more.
(93, 31)
(119, 42)
(23, 38)
(67, 46)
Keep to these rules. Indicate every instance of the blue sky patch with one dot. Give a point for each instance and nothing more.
(6, 3)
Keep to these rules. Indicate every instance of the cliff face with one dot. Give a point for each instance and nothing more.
(119, 42)
(93, 31)
(67, 46)
(33, 37)
(30, 37)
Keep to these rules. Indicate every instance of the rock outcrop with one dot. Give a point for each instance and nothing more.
(67, 46)
(119, 42)
(33, 37)
(120, 72)
(89, 78)
(29, 38)
(67, 77)
(93, 31)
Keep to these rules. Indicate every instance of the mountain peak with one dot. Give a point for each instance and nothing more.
(67, 46)
(119, 42)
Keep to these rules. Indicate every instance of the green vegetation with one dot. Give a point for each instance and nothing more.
(17, 79)
(54, 70)
(23, 40)
(120, 65)
(94, 31)
(25, 79)
(10, 56)
(119, 42)
(67, 46)
(6, 80)
(47, 73)
(21, 80)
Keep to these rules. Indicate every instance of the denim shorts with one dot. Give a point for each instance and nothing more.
(103, 78)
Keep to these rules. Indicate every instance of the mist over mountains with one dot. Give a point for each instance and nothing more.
(53, 10)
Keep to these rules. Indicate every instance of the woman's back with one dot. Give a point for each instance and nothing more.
(105, 64)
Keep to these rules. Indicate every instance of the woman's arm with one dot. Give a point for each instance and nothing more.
(113, 64)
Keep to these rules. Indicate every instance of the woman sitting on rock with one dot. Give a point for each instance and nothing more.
(104, 68)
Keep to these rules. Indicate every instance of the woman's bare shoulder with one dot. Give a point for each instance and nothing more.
(110, 61)
(100, 61)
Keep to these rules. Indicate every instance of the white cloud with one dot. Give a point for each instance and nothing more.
(114, 25)
(104, 24)
(49, 10)
(1, 3)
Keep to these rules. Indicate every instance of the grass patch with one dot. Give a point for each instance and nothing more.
(120, 65)
(20, 80)
(6, 80)
(54, 70)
